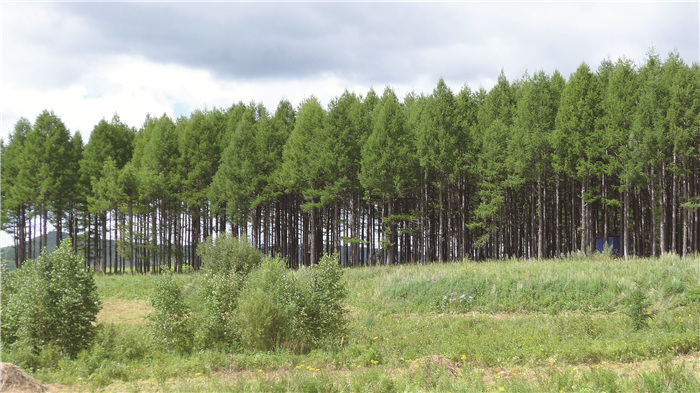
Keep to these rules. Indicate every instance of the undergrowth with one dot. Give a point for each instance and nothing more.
(559, 325)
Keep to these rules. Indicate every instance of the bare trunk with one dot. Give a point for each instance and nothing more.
(674, 209)
(104, 243)
(540, 214)
(557, 223)
(441, 226)
(625, 224)
(685, 220)
(662, 216)
(584, 221)
(606, 233)
(652, 197)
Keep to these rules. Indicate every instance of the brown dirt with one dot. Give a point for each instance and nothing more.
(627, 369)
(436, 361)
(126, 312)
(14, 380)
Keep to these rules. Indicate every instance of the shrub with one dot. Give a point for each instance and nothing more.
(228, 254)
(277, 310)
(323, 307)
(637, 307)
(267, 306)
(218, 294)
(226, 261)
(51, 301)
(170, 325)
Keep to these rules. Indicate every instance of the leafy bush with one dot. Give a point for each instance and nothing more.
(323, 306)
(278, 310)
(637, 307)
(226, 261)
(170, 324)
(228, 254)
(51, 301)
(267, 307)
(218, 294)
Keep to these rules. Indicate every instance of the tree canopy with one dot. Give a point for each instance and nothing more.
(535, 167)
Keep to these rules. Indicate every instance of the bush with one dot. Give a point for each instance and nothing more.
(267, 307)
(276, 310)
(51, 301)
(226, 261)
(323, 307)
(227, 254)
(638, 306)
(170, 325)
(218, 294)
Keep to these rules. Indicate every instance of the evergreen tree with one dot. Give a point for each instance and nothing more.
(388, 170)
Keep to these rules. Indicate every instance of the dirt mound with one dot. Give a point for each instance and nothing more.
(436, 361)
(14, 380)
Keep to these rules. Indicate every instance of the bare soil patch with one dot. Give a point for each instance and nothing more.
(436, 361)
(624, 369)
(124, 312)
(14, 380)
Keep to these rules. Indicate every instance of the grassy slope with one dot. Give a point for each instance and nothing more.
(529, 326)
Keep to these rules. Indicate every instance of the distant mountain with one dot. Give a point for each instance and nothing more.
(7, 254)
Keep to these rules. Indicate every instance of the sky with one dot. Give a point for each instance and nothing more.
(87, 61)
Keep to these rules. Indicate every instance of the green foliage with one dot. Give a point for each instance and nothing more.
(324, 315)
(51, 301)
(638, 306)
(226, 262)
(267, 308)
(214, 319)
(393, 344)
(277, 309)
(303, 156)
(227, 254)
(388, 164)
(170, 320)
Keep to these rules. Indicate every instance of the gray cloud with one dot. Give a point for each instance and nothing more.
(366, 43)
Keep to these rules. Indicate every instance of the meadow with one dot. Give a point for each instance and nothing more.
(576, 324)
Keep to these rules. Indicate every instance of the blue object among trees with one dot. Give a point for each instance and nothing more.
(613, 243)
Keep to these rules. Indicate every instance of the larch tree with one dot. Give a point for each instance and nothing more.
(389, 169)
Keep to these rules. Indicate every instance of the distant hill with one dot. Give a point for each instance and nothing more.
(7, 254)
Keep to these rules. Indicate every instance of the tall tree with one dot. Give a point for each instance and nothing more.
(200, 152)
(389, 169)
(530, 150)
(16, 190)
(303, 168)
(576, 137)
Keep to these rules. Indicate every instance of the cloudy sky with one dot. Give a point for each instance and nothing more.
(87, 61)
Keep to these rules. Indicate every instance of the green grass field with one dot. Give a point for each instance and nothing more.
(501, 326)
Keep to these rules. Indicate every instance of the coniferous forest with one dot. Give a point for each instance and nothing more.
(533, 168)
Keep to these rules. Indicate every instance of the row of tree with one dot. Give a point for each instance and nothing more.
(537, 168)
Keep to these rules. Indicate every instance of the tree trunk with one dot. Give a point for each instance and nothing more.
(662, 217)
(684, 219)
(391, 234)
(540, 218)
(441, 226)
(103, 255)
(674, 208)
(625, 224)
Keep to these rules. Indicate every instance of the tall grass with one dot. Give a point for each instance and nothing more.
(529, 326)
